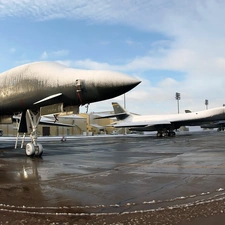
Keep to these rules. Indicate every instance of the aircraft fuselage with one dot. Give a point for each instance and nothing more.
(22, 86)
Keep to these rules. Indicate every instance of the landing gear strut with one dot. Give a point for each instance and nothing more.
(32, 148)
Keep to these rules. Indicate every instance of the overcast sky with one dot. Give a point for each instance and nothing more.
(170, 45)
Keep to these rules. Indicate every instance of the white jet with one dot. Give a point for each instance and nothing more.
(163, 124)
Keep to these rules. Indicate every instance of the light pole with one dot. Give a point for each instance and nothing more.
(206, 103)
(125, 130)
(177, 96)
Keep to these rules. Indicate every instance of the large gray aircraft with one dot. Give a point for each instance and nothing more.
(42, 88)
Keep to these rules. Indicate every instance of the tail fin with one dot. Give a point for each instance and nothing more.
(119, 111)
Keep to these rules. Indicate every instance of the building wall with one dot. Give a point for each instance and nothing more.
(8, 129)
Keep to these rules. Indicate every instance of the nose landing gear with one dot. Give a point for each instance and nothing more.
(31, 121)
(34, 150)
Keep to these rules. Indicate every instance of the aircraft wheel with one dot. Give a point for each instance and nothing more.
(159, 134)
(165, 134)
(39, 150)
(30, 150)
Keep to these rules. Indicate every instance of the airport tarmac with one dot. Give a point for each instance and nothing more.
(128, 179)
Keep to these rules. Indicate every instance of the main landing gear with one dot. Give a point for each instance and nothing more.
(32, 148)
(220, 129)
(166, 133)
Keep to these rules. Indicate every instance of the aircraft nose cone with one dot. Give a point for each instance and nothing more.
(121, 83)
(104, 85)
(112, 84)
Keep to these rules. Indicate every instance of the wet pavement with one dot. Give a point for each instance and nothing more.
(115, 180)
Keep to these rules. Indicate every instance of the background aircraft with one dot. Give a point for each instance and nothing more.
(220, 125)
(43, 88)
(163, 124)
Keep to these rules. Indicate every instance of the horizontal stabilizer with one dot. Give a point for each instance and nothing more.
(63, 116)
(44, 120)
(53, 123)
(111, 116)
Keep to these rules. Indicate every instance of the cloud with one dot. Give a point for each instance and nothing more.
(105, 43)
(178, 60)
(87, 64)
(52, 9)
(44, 55)
(12, 50)
(144, 14)
(132, 43)
(21, 62)
(194, 44)
(54, 54)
